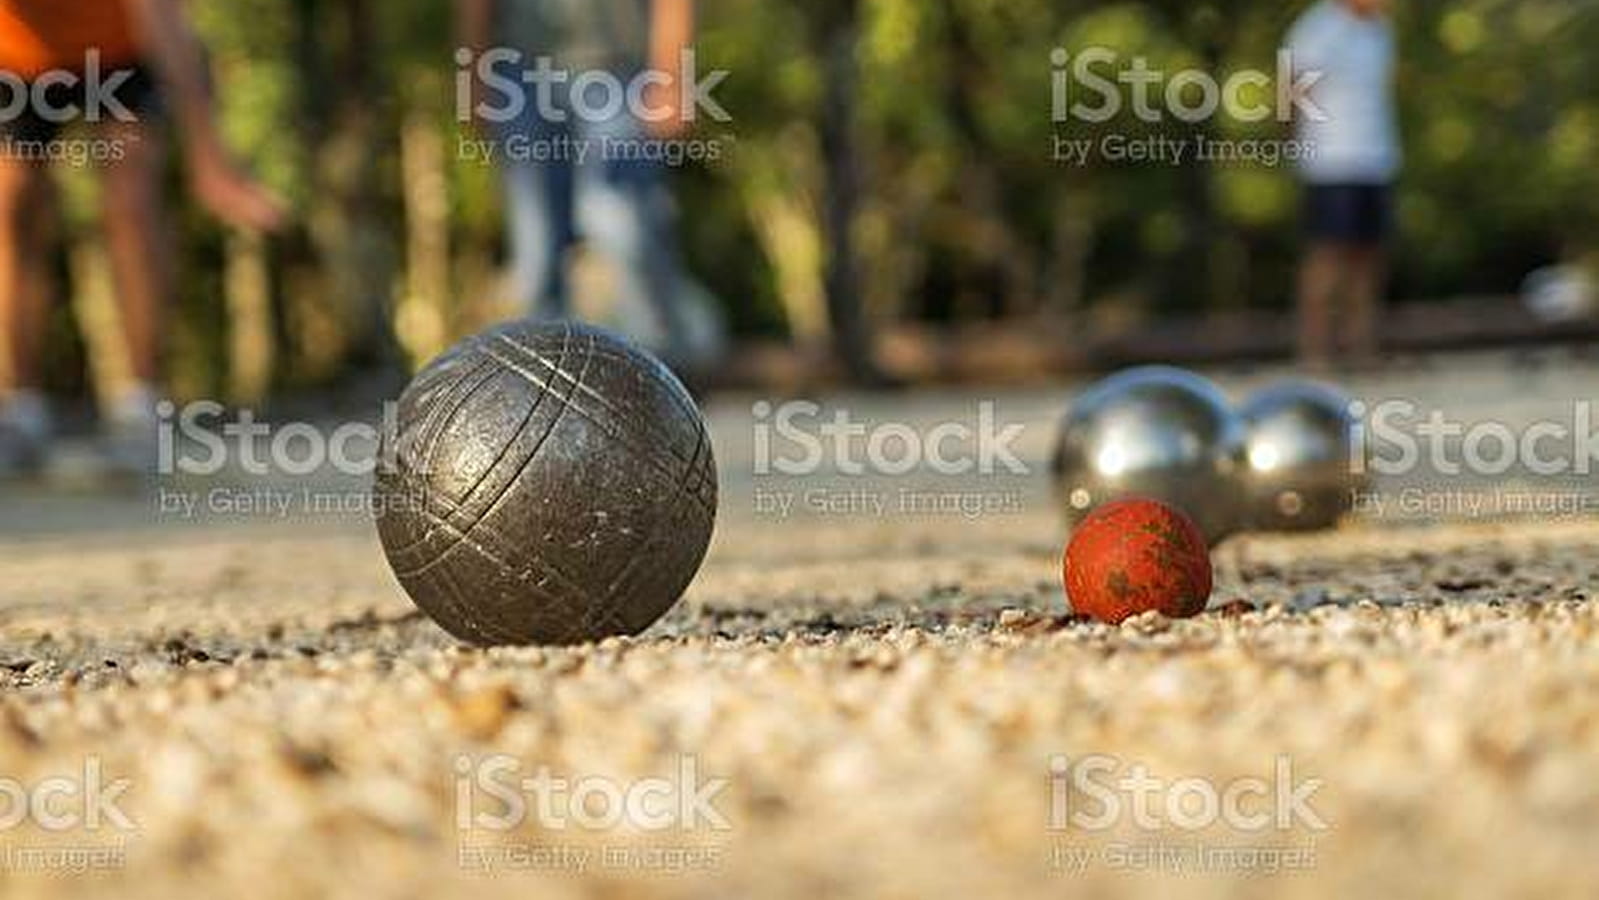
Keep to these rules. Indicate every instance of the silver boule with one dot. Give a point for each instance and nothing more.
(1157, 432)
(1300, 451)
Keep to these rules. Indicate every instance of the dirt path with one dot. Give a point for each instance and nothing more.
(847, 703)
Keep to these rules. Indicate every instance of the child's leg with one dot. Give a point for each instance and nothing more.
(1367, 274)
(138, 243)
(1320, 276)
(139, 246)
(26, 216)
(1368, 271)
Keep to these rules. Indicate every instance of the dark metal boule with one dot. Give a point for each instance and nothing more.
(546, 483)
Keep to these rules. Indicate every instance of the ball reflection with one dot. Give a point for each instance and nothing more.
(1300, 445)
(1156, 432)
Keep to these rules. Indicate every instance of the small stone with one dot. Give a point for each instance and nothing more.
(481, 715)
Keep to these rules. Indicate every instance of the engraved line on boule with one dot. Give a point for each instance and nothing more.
(635, 452)
(504, 489)
(664, 438)
(651, 539)
(463, 506)
(434, 425)
(630, 356)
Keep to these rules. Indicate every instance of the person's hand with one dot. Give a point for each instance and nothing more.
(233, 196)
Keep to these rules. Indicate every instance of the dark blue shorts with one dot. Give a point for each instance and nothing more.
(1349, 213)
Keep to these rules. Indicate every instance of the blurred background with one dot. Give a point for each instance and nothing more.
(888, 170)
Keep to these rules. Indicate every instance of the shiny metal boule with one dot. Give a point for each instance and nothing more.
(1300, 449)
(1156, 432)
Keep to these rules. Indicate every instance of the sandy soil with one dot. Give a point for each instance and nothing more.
(866, 705)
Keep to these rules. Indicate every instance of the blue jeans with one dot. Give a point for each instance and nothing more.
(619, 202)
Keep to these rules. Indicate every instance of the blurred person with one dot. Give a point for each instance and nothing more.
(110, 68)
(1353, 158)
(568, 173)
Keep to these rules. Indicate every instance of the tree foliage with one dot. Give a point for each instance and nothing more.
(963, 213)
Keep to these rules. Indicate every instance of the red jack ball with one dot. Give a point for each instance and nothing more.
(1133, 556)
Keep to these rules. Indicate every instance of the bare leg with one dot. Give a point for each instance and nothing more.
(26, 215)
(1319, 277)
(138, 243)
(1368, 273)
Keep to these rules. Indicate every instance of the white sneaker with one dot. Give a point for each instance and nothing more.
(130, 433)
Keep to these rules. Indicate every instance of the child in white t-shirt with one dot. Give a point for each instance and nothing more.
(1353, 158)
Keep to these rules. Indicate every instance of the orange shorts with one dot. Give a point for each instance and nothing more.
(40, 35)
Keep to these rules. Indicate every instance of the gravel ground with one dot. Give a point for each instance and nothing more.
(847, 703)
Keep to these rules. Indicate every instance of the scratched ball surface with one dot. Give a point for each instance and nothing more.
(1135, 556)
(545, 484)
